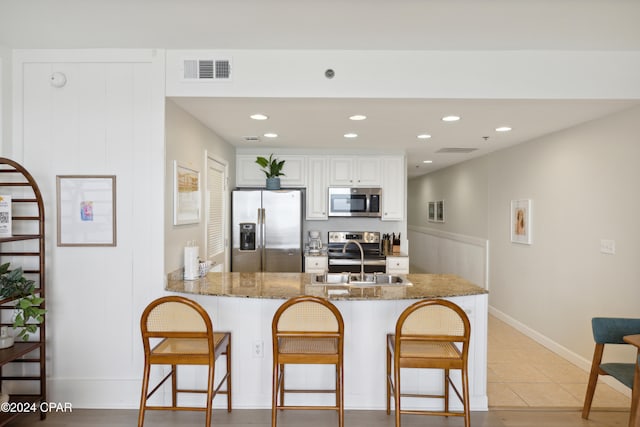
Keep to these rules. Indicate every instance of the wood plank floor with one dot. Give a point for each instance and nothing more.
(262, 418)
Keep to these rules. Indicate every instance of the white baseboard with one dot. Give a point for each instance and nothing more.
(558, 349)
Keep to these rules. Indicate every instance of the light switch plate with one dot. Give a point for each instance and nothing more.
(608, 246)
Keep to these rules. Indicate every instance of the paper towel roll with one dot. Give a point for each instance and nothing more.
(191, 267)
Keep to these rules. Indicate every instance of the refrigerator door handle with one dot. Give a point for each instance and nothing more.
(263, 232)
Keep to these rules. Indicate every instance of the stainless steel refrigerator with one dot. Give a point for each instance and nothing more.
(267, 230)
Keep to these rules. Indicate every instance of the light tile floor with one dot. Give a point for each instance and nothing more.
(522, 373)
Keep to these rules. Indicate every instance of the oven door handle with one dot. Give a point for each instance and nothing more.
(356, 262)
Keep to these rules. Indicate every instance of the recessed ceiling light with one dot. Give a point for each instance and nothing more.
(503, 129)
(271, 135)
(259, 116)
(427, 161)
(350, 135)
(358, 117)
(450, 118)
(424, 136)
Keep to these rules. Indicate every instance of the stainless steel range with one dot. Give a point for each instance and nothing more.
(348, 258)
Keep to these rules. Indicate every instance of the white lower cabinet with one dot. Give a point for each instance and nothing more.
(316, 264)
(397, 265)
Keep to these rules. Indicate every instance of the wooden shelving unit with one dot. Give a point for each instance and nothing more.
(23, 365)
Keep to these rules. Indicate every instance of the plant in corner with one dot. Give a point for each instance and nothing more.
(272, 169)
(14, 284)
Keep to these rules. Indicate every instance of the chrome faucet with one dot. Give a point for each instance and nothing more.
(344, 248)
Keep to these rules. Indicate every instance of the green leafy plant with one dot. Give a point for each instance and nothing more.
(271, 167)
(13, 284)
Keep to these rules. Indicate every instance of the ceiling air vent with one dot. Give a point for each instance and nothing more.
(207, 69)
(456, 150)
(251, 139)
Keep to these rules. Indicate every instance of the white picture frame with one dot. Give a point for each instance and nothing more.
(86, 210)
(521, 216)
(186, 194)
(431, 211)
(440, 211)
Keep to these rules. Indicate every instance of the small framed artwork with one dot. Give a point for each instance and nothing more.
(186, 194)
(440, 211)
(86, 208)
(431, 211)
(521, 221)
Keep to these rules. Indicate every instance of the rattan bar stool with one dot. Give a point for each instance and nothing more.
(178, 331)
(426, 336)
(307, 330)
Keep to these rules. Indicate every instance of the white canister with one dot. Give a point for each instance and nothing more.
(191, 265)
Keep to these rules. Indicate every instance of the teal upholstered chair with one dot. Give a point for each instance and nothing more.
(609, 330)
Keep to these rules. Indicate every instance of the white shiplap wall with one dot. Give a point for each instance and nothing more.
(107, 119)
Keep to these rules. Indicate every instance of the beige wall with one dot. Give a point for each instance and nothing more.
(188, 141)
(463, 188)
(584, 187)
(583, 184)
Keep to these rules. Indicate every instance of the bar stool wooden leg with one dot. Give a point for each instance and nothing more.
(174, 385)
(229, 375)
(465, 395)
(210, 388)
(396, 374)
(388, 379)
(446, 390)
(274, 394)
(143, 397)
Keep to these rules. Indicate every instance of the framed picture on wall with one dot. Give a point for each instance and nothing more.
(186, 194)
(86, 208)
(440, 211)
(521, 221)
(431, 211)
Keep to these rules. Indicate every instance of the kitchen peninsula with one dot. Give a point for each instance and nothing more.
(244, 303)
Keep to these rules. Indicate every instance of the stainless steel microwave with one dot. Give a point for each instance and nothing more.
(355, 201)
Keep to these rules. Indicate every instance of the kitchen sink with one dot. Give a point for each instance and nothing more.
(353, 279)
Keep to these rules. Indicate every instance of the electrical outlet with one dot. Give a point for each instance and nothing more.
(608, 246)
(258, 350)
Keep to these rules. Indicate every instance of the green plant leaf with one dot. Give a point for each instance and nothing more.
(271, 167)
(14, 284)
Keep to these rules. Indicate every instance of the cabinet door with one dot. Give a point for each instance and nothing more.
(397, 265)
(249, 173)
(341, 171)
(317, 194)
(316, 264)
(394, 180)
(294, 170)
(368, 171)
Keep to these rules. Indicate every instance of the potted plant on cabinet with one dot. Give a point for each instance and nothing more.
(14, 284)
(272, 168)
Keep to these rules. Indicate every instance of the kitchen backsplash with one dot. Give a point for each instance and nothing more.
(352, 224)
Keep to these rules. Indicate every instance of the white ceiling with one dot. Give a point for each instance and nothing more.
(354, 25)
(393, 124)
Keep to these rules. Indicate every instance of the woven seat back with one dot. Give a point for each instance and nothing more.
(433, 320)
(308, 316)
(173, 316)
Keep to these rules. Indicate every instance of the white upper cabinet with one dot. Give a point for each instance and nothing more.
(317, 194)
(249, 173)
(355, 171)
(393, 188)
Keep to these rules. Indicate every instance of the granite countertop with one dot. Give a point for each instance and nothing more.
(288, 285)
